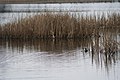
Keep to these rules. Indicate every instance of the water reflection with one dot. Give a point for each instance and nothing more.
(57, 46)
(60, 59)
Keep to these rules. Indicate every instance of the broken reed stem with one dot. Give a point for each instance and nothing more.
(58, 26)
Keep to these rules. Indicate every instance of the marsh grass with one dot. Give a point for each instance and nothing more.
(59, 26)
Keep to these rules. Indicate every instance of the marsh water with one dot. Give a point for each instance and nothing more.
(60, 59)
(55, 60)
(12, 12)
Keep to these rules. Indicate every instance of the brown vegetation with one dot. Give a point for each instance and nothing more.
(59, 26)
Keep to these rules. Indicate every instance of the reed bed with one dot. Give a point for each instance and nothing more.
(59, 26)
(105, 50)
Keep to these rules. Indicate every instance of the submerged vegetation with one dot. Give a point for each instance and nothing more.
(59, 26)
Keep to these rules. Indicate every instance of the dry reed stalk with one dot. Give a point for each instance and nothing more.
(61, 26)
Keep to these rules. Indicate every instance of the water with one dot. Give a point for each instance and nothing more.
(64, 7)
(16, 11)
(56, 60)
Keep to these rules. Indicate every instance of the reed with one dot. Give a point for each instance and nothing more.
(59, 26)
(105, 50)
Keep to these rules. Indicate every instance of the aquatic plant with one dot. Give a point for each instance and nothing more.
(59, 26)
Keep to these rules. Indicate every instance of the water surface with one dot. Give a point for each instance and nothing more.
(56, 60)
(17, 11)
